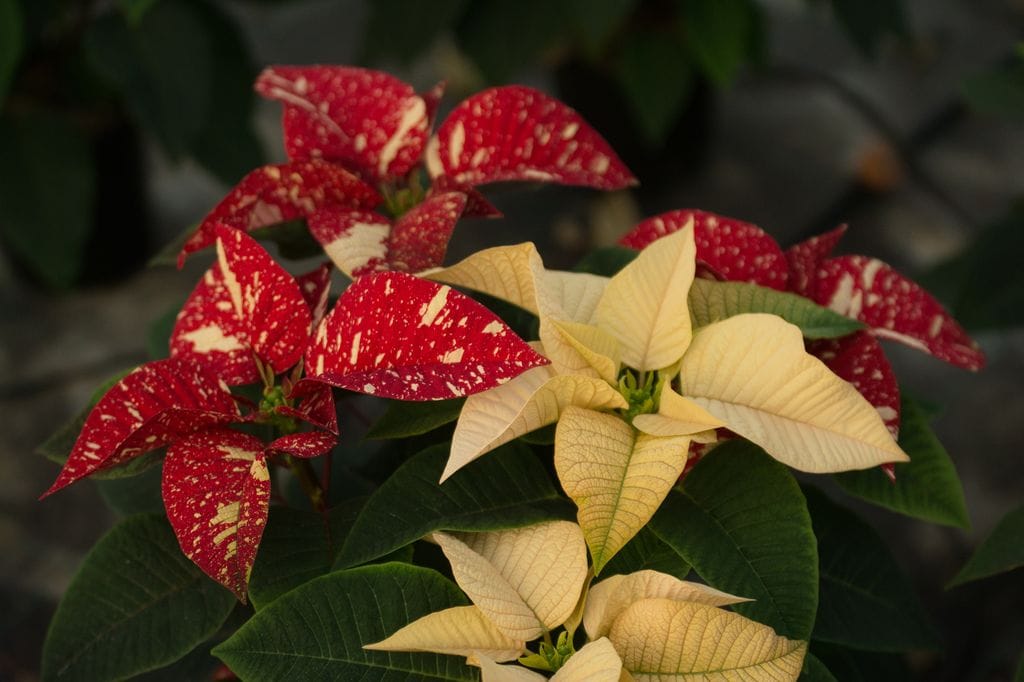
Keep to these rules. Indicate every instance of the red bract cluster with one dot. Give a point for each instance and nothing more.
(358, 137)
(249, 321)
(865, 289)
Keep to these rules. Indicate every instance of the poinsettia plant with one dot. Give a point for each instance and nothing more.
(611, 497)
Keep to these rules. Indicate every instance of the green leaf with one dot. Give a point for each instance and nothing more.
(44, 158)
(506, 489)
(593, 23)
(317, 631)
(134, 10)
(1019, 676)
(1001, 551)
(640, 69)
(11, 43)
(402, 29)
(163, 67)
(139, 494)
(860, 666)
(742, 523)
(868, 22)
(405, 418)
(815, 671)
(136, 604)
(999, 92)
(712, 301)
(58, 446)
(721, 34)
(984, 285)
(158, 333)
(503, 36)
(606, 261)
(865, 600)
(292, 238)
(647, 552)
(296, 547)
(927, 487)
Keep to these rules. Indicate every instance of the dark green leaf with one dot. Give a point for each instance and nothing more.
(317, 631)
(158, 334)
(646, 552)
(606, 261)
(163, 67)
(861, 666)
(999, 92)
(405, 418)
(815, 671)
(402, 29)
(506, 488)
(292, 238)
(1019, 676)
(139, 494)
(296, 547)
(926, 488)
(868, 22)
(984, 285)
(721, 34)
(712, 301)
(136, 604)
(1001, 551)
(741, 521)
(134, 10)
(655, 74)
(168, 254)
(47, 195)
(11, 43)
(593, 23)
(58, 446)
(501, 36)
(865, 600)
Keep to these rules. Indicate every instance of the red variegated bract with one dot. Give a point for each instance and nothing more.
(316, 405)
(477, 205)
(396, 336)
(368, 120)
(355, 241)
(731, 249)
(518, 133)
(279, 193)
(315, 287)
(245, 306)
(152, 406)
(894, 307)
(306, 445)
(419, 239)
(859, 359)
(805, 257)
(216, 491)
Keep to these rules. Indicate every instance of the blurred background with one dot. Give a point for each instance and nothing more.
(122, 122)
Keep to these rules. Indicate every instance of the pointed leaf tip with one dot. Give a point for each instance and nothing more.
(397, 336)
(152, 406)
(216, 489)
(518, 133)
(367, 120)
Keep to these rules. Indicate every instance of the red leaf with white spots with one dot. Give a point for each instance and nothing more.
(894, 307)
(477, 205)
(432, 99)
(246, 305)
(805, 257)
(315, 405)
(152, 406)
(419, 239)
(731, 249)
(859, 359)
(396, 336)
(216, 489)
(518, 133)
(305, 445)
(367, 120)
(279, 193)
(356, 241)
(315, 287)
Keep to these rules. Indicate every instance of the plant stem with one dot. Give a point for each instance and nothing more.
(303, 471)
